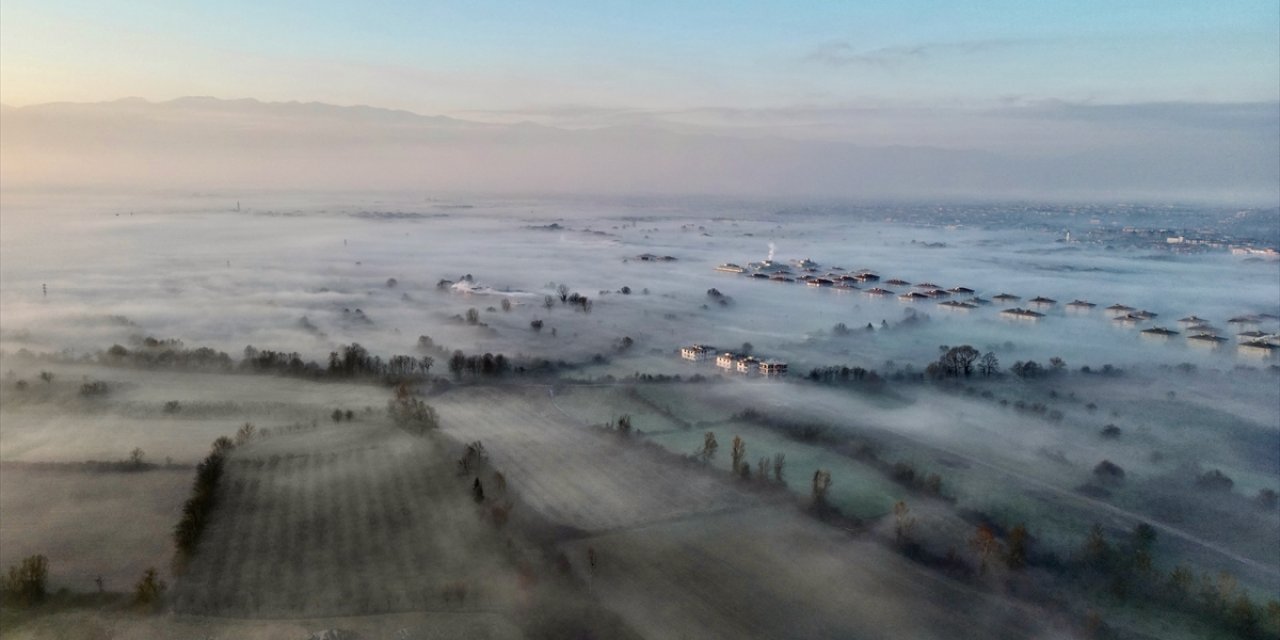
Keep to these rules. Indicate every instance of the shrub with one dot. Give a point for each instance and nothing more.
(27, 582)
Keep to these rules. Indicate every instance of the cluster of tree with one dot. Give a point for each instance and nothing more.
(149, 591)
(580, 302)
(1038, 408)
(1215, 480)
(622, 426)
(954, 362)
(905, 473)
(1032, 369)
(166, 354)
(27, 583)
(478, 365)
(278, 362)
(198, 508)
(1126, 570)
(844, 374)
(715, 296)
(94, 389)
(411, 413)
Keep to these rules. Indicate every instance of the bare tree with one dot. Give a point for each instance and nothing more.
(779, 467)
(737, 454)
(473, 316)
(506, 304)
(548, 302)
(709, 446)
(1019, 541)
(47, 376)
(903, 521)
(958, 361)
(984, 543)
(563, 292)
(821, 483)
(149, 590)
(136, 457)
(989, 365)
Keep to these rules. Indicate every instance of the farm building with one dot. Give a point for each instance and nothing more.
(773, 368)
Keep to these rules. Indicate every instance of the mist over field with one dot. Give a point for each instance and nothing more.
(663, 320)
(355, 349)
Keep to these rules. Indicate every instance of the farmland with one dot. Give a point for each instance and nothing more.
(695, 552)
(362, 514)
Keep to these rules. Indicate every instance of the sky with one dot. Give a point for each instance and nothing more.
(573, 61)
(1093, 97)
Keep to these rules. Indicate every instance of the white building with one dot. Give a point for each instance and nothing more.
(696, 352)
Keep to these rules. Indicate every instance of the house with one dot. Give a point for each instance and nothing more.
(726, 360)
(1145, 315)
(956, 305)
(938, 293)
(1128, 319)
(898, 282)
(696, 352)
(1021, 314)
(912, 296)
(866, 277)
(1080, 305)
(1251, 335)
(805, 263)
(1191, 321)
(768, 266)
(1205, 340)
(1257, 349)
(1244, 322)
(730, 267)
(1006, 297)
(649, 257)
(877, 291)
(747, 364)
(927, 285)
(845, 286)
(1120, 309)
(1158, 333)
(778, 277)
(761, 276)
(773, 368)
(1041, 301)
(820, 282)
(979, 301)
(962, 291)
(1204, 328)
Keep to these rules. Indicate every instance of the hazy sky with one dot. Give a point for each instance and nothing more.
(562, 62)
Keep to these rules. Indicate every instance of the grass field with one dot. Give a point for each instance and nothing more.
(64, 513)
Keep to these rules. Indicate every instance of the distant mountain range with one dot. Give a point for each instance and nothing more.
(205, 143)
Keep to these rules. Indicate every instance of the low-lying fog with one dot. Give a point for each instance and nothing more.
(311, 273)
